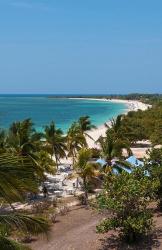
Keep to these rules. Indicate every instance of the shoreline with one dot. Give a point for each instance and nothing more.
(132, 105)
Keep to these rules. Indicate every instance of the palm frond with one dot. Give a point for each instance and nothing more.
(8, 244)
(17, 176)
(124, 163)
(25, 223)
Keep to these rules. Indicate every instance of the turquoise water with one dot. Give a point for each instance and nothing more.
(42, 110)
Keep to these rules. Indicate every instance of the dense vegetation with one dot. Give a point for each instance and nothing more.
(144, 125)
(127, 197)
(153, 164)
(18, 175)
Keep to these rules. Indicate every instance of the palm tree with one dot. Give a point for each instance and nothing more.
(56, 142)
(16, 178)
(85, 125)
(112, 147)
(116, 124)
(121, 129)
(2, 141)
(23, 139)
(85, 169)
(45, 162)
(75, 140)
(116, 127)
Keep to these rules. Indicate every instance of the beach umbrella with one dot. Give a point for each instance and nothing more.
(102, 162)
(134, 161)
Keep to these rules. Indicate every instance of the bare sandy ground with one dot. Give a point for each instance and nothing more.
(74, 231)
(77, 231)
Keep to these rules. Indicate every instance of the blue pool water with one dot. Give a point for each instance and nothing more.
(42, 110)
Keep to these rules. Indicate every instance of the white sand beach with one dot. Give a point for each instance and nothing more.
(100, 131)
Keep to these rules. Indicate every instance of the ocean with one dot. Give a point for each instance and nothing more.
(63, 111)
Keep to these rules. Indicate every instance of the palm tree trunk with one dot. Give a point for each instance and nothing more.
(85, 191)
(56, 161)
(73, 157)
(109, 161)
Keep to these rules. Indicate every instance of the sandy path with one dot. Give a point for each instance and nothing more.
(75, 231)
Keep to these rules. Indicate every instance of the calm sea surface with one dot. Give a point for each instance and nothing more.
(42, 110)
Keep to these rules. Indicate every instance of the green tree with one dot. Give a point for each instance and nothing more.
(85, 125)
(85, 169)
(45, 163)
(145, 125)
(115, 141)
(112, 147)
(75, 140)
(118, 130)
(16, 178)
(126, 197)
(133, 128)
(153, 165)
(2, 141)
(116, 126)
(154, 157)
(156, 136)
(22, 138)
(55, 142)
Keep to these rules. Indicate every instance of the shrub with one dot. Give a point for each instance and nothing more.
(153, 165)
(40, 207)
(127, 197)
(82, 199)
(96, 153)
(63, 210)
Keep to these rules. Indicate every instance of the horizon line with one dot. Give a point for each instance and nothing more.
(98, 94)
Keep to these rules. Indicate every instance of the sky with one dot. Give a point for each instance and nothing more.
(80, 46)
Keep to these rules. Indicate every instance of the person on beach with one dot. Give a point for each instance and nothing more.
(45, 191)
